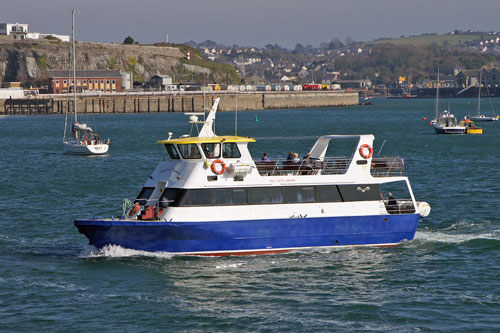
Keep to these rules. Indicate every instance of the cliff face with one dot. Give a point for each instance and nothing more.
(28, 61)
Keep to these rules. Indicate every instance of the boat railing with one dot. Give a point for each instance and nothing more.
(387, 166)
(399, 206)
(283, 167)
(380, 167)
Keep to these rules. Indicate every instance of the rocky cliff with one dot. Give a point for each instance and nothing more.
(27, 61)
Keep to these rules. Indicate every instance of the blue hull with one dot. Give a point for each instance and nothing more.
(250, 237)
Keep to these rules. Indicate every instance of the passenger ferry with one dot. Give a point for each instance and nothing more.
(210, 197)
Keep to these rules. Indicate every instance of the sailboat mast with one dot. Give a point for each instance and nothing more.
(437, 96)
(479, 95)
(74, 60)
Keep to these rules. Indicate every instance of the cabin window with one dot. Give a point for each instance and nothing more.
(360, 192)
(197, 198)
(172, 152)
(234, 196)
(211, 150)
(265, 195)
(189, 151)
(169, 197)
(143, 197)
(231, 150)
(300, 194)
(328, 193)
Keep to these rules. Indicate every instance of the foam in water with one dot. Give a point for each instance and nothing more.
(116, 251)
(441, 237)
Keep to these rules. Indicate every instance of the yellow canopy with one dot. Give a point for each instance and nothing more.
(214, 139)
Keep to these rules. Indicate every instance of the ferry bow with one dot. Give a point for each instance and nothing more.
(210, 197)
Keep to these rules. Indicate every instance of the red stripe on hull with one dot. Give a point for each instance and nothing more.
(246, 253)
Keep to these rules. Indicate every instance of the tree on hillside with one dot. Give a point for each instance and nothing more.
(128, 41)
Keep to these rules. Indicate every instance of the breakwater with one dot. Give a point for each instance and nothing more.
(175, 102)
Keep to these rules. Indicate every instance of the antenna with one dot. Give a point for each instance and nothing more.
(381, 147)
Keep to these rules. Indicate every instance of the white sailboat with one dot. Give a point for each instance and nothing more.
(84, 141)
(446, 122)
(482, 117)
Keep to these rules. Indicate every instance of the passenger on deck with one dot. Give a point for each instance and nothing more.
(295, 158)
(290, 156)
(265, 158)
(392, 204)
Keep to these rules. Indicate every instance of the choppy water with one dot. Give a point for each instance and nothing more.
(446, 279)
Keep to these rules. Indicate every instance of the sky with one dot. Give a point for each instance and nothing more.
(251, 22)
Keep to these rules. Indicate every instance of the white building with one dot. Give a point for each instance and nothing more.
(17, 30)
(20, 31)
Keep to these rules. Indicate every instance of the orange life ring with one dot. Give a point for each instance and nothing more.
(135, 208)
(362, 151)
(214, 167)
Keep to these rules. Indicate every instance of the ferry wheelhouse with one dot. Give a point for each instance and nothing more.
(210, 197)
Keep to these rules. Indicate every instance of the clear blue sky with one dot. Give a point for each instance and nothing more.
(252, 22)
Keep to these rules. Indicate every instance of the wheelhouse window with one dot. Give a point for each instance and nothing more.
(231, 150)
(234, 196)
(143, 197)
(211, 150)
(189, 151)
(172, 152)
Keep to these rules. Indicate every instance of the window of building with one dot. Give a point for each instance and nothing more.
(57, 82)
(114, 82)
(84, 81)
(189, 151)
(65, 82)
(211, 150)
(90, 81)
(107, 81)
(231, 150)
(102, 81)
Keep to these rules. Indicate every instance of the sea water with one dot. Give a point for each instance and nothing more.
(447, 278)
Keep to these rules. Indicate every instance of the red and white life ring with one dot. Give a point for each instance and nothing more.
(363, 151)
(222, 167)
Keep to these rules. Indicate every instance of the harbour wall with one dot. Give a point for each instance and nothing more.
(176, 102)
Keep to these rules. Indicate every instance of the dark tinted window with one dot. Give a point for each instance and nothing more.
(169, 197)
(211, 150)
(265, 195)
(189, 151)
(328, 193)
(233, 196)
(143, 197)
(300, 194)
(360, 192)
(197, 198)
(172, 152)
(231, 150)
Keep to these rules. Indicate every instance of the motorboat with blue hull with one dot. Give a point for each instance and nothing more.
(209, 197)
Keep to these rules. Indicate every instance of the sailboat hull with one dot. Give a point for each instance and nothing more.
(76, 148)
(484, 118)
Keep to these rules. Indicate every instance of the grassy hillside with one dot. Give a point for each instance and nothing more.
(423, 40)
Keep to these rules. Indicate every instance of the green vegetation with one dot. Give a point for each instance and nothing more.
(131, 63)
(427, 39)
(386, 62)
(128, 40)
(112, 63)
(43, 63)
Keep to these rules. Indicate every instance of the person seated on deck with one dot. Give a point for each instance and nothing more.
(290, 156)
(295, 158)
(265, 158)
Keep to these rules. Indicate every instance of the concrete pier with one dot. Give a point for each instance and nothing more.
(176, 102)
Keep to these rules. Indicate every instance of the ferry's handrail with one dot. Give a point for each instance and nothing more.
(283, 167)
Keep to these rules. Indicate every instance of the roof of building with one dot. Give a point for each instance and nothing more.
(85, 74)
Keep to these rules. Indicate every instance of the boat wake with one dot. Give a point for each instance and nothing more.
(116, 251)
(455, 238)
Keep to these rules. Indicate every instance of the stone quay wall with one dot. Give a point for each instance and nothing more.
(178, 102)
